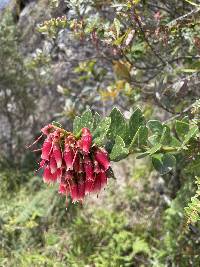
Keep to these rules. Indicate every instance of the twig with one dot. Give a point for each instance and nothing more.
(146, 39)
(175, 21)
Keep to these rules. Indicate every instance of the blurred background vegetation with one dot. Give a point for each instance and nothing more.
(50, 72)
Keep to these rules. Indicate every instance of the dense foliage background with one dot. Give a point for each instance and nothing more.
(59, 58)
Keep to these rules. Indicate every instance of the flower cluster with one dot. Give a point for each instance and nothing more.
(78, 166)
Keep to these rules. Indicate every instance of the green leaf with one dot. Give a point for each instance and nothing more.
(192, 133)
(165, 138)
(163, 162)
(155, 126)
(117, 26)
(140, 137)
(161, 133)
(182, 128)
(136, 120)
(76, 125)
(101, 131)
(194, 167)
(86, 120)
(175, 142)
(57, 124)
(97, 119)
(118, 124)
(118, 151)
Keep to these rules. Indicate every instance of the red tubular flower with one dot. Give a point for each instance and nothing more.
(52, 165)
(88, 166)
(78, 168)
(89, 184)
(58, 174)
(81, 190)
(74, 191)
(103, 178)
(48, 177)
(97, 185)
(46, 149)
(86, 140)
(68, 157)
(57, 154)
(101, 156)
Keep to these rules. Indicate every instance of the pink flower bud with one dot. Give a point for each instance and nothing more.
(101, 156)
(88, 166)
(57, 155)
(47, 129)
(86, 140)
(46, 149)
(52, 165)
(68, 157)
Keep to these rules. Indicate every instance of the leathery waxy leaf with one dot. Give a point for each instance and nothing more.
(76, 125)
(163, 162)
(101, 131)
(97, 119)
(86, 120)
(182, 128)
(140, 137)
(119, 151)
(155, 126)
(136, 120)
(165, 138)
(161, 133)
(118, 124)
(192, 133)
